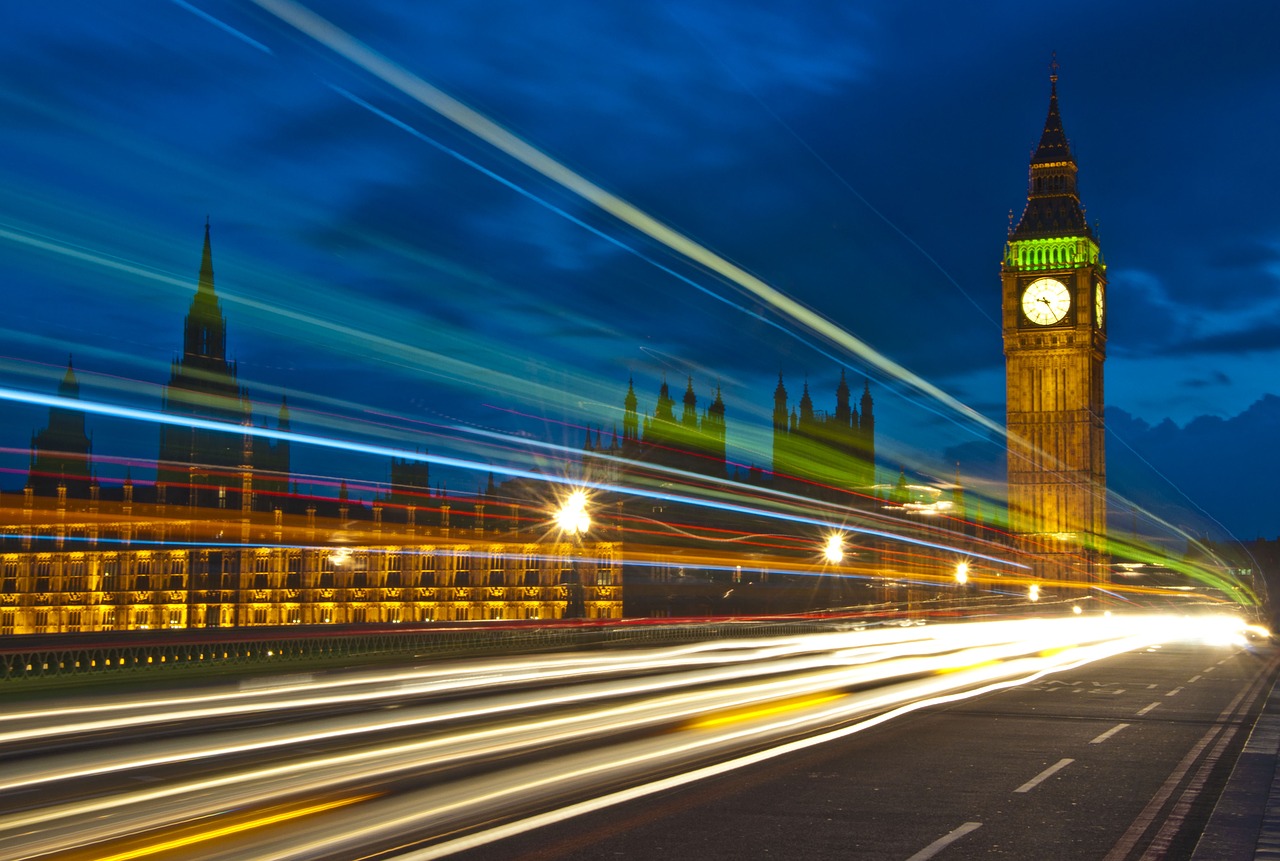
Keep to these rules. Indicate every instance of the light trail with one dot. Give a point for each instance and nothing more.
(659, 714)
(492, 133)
(162, 418)
(487, 130)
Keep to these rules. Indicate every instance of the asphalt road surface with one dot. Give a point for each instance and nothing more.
(1120, 759)
(1077, 737)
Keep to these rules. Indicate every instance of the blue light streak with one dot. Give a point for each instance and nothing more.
(136, 414)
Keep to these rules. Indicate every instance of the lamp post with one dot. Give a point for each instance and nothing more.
(573, 520)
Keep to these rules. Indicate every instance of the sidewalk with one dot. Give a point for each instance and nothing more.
(1246, 821)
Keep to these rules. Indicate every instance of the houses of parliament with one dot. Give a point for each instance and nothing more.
(222, 539)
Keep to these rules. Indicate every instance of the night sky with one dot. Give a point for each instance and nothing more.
(404, 282)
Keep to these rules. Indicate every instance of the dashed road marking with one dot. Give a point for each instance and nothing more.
(1193, 680)
(1106, 735)
(1146, 709)
(1044, 775)
(944, 841)
(1174, 691)
(1210, 669)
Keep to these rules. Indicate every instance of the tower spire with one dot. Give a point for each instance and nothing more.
(1053, 202)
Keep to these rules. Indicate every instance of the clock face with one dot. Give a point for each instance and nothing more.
(1098, 302)
(1046, 301)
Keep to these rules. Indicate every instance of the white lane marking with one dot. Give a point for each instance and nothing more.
(1146, 709)
(1149, 687)
(1174, 691)
(1210, 669)
(1106, 735)
(1044, 775)
(1118, 691)
(1193, 680)
(944, 841)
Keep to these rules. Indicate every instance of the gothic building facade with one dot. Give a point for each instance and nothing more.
(824, 454)
(61, 452)
(693, 442)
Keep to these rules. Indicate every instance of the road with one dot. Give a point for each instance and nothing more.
(1117, 760)
(1019, 738)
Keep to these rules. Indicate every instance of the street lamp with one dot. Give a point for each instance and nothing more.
(1033, 592)
(833, 551)
(572, 515)
(573, 520)
(962, 572)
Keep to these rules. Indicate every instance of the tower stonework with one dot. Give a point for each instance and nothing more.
(1054, 294)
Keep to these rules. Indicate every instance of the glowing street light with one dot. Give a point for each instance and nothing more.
(1033, 592)
(833, 551)
(572, 515)
(962, 572)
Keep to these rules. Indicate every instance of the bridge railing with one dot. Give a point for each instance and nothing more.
(158, 651)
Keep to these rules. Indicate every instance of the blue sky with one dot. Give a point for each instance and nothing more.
(380, 264)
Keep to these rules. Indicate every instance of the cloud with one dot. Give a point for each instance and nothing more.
(1164, 468)
(1260, 338)
(1215, 378)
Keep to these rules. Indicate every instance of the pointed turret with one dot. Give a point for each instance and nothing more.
(666, 409)
(844, 413)
(1053, 205)
(780, 406)
(689, 416)
(630, 414)
(206, 330)
(70, 386)
(60, 454)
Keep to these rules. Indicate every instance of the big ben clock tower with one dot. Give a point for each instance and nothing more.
(1054, 320)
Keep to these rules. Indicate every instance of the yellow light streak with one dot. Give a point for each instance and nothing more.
(355, 51)
(235, 828)
(960, 668)
(750, 714)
